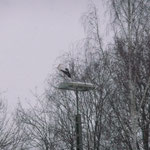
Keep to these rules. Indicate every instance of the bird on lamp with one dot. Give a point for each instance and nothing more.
(64, 70)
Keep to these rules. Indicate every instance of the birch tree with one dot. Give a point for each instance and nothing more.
(132, 28)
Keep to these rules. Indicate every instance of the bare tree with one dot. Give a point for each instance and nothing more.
(132, 26)
(92, 65)
(38, 126)
(8, 131)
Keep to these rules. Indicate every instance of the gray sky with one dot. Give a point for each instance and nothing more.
(33, 33)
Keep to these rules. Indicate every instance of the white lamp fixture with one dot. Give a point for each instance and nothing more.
(76, 86)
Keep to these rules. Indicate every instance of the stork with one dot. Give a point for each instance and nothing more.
(64, 70)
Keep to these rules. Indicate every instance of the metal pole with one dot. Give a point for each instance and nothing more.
(77, 101)
(78, 126)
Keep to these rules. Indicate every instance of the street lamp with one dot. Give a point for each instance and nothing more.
(82, 87)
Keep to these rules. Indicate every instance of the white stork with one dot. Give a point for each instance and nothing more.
(64, 70)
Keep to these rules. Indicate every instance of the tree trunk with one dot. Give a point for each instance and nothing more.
(133, 112)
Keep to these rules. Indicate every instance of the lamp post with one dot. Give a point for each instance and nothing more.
(76, 87)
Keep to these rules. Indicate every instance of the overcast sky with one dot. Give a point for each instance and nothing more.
(33, 33)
